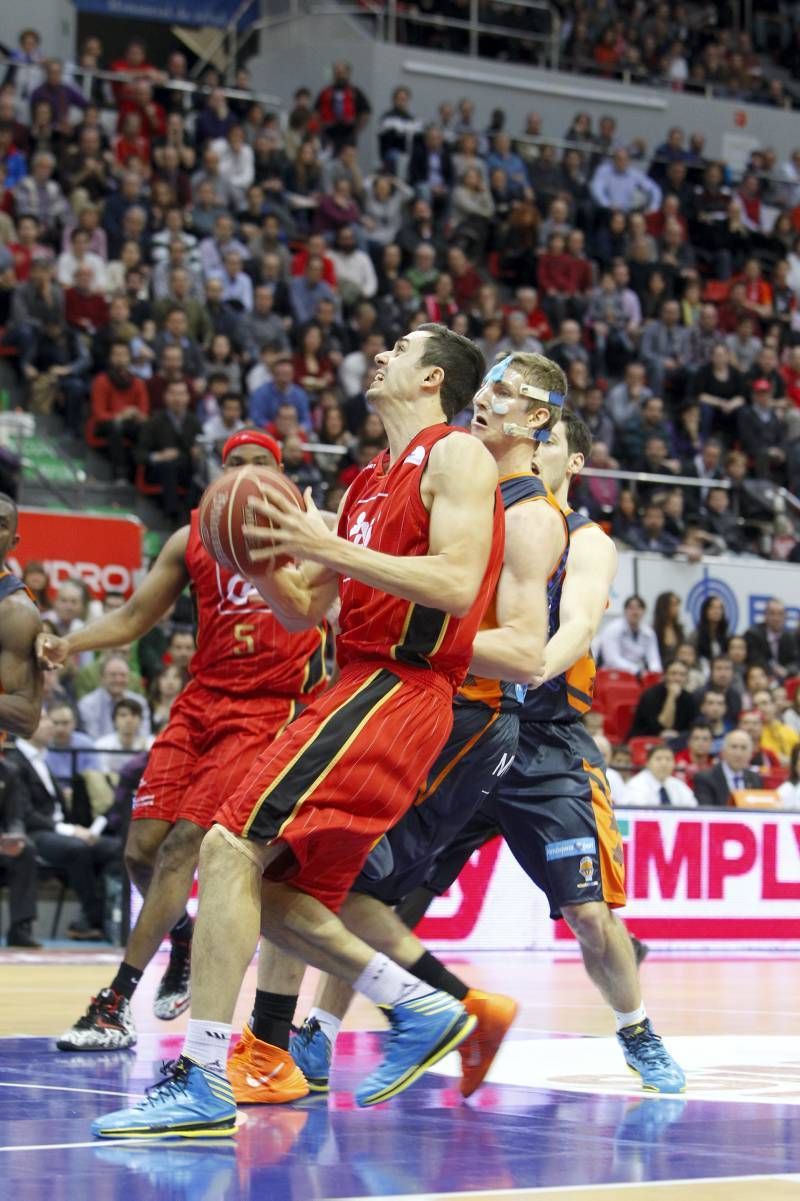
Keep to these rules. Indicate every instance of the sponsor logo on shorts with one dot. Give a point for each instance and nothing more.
(586, 868)
(569, 847)
(143, 800)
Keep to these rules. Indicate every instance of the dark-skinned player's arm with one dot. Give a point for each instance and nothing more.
(160, 589)
(458, 489)
(591, 567)
(514, 651)
(20, 678)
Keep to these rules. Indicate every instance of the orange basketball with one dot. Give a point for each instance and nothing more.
(226, 506)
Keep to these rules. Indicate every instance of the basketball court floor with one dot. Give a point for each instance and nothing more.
(559, 1120)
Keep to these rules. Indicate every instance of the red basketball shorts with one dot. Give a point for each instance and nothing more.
(343, 774)
(206, 748)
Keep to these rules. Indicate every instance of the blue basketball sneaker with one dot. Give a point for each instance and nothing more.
(646, 1055)
(422, 1032)
(189, 1102)
(312, 1051)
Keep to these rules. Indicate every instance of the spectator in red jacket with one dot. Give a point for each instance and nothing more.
(343, 109)
(790, 373)
(696, 755)
(119, 406)
(527, 302)
(84, 308)
(467, 282)
(316, 245)
(133, 63)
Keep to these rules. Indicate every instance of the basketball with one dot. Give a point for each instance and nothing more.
(226, 506)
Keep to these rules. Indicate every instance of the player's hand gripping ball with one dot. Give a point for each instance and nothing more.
(227, 505)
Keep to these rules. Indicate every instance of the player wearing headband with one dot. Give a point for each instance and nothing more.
(248, 676)
(553, 806)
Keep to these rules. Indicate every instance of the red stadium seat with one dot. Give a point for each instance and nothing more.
(147, 489)
(650, 678)
(610, 675)
(774, 777)
(791, 685)
(639, 747)
(615, 687)
(610, 695)
(92, 439)
(617, 719)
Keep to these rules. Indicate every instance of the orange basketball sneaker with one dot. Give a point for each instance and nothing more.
(495, 1014)
(264, 1075)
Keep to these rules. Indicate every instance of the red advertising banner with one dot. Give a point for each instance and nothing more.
(693, 878)
(104, 552)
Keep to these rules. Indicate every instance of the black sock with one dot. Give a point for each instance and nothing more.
(126, 980)
(413, 908)
(431, 971)
(272, 1018)
(182, 931)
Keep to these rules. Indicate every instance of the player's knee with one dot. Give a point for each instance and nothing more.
(590, 923)
(181, 848)
(219, 856)
(141, 848)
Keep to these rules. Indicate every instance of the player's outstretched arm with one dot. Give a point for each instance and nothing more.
(459, 487)
(514, 651)
(591, 567)
(160, 589)
(20, 678)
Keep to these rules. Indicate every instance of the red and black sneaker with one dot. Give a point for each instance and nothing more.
(107, 1025)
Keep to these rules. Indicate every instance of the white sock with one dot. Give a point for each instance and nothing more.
(329, 1023)
(387, 984)
(631, 1019)
(207, 1044)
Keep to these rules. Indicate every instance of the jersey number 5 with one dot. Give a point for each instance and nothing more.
(245, 642)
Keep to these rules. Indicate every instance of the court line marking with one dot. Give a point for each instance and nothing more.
(64, 1088)
(96, 1142)
(532, 1192)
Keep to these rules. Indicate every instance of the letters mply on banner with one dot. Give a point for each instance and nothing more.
(694, 878)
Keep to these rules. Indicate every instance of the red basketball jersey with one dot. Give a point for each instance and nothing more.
(384, 511)
(241, 645)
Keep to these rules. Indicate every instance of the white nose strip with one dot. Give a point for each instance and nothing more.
(500, 407)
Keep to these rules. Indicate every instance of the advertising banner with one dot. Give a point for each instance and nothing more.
(743, 585)
(218, 13)
(104, 552)
(694, 878)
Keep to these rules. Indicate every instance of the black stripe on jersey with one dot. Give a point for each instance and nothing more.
(423, 632)
(278, 804)
(314, 673)
(579, 696)
(519, 488)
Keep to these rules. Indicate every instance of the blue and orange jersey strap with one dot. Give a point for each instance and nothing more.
(577, 521)
(11, 583)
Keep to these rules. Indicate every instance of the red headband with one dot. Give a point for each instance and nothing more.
(253, 438)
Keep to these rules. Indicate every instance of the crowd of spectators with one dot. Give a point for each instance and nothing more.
(65, 792)
(705, 714)
(176, 264)
(691, 46)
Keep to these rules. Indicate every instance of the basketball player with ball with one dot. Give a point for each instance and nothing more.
(248, 677)
(414, 564)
